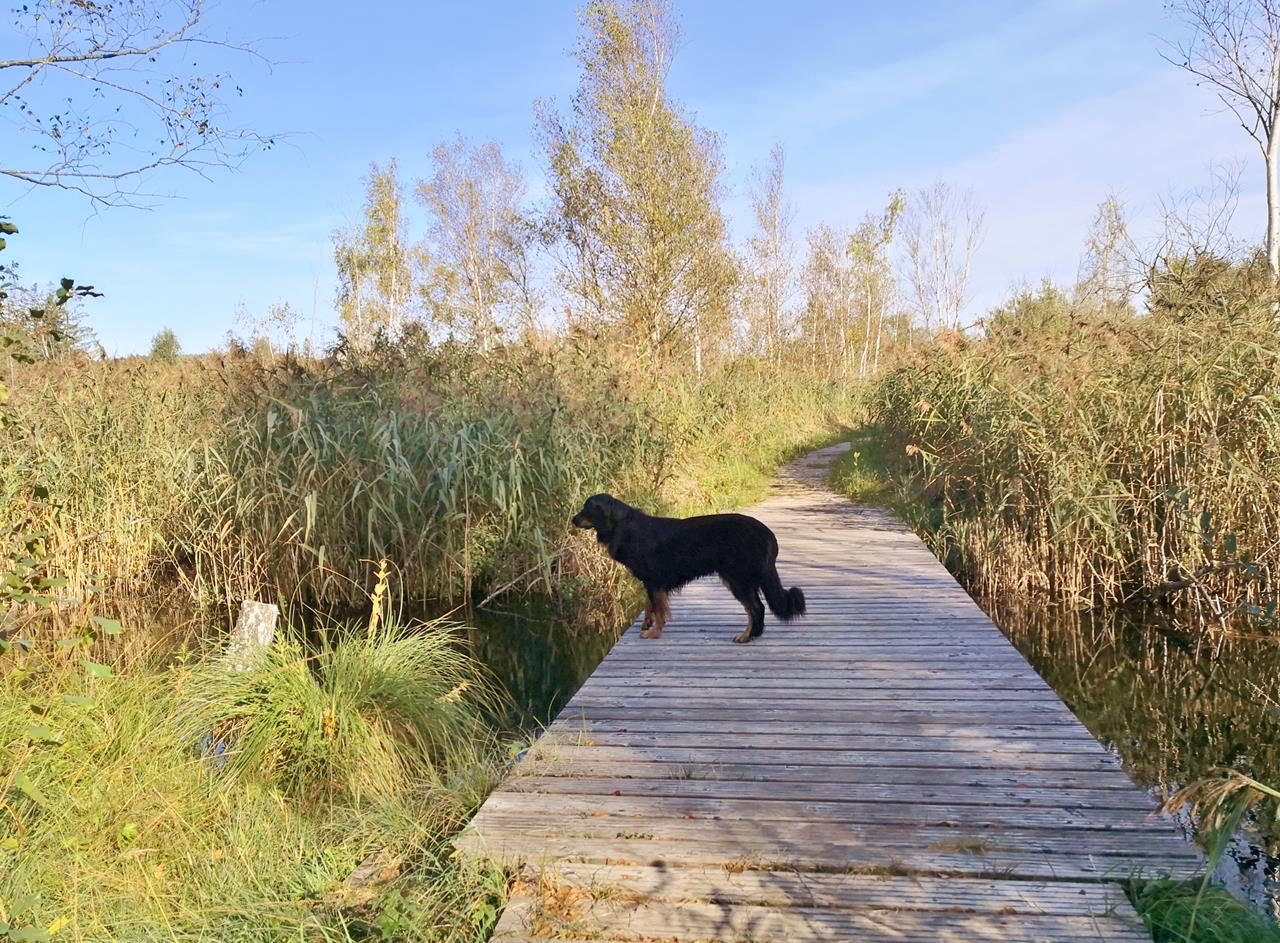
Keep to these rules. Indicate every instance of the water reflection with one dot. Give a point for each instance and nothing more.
(541, 658)
(1173, 707)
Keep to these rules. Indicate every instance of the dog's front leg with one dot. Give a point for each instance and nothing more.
(648, 618)
(661, 613)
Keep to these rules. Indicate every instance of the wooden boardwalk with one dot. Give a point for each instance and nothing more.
(887, 768)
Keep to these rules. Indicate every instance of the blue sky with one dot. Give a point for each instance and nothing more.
(1041, 107)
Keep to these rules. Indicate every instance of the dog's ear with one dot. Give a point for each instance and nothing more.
(602, 512)
(594, 513)
(609, 510)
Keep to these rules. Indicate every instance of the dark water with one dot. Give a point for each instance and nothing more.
(539, 655)
(541, 658)
(1174, 706)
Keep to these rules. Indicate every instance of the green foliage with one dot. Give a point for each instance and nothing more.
(165, 347)
(1181, 913)
(241, 477)
(368, 714)
(863, 473)
(635, 186)
(24, 577)
(376, 264)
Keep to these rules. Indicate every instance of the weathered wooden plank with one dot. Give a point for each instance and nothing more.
(975, 839)
(846, 711)
(1129, 827)
(853, 669)
(1054, 797)
(782, 687)
(695, 921)
(836, 776)
(518, 847)
(838, 891)
(753, 740)
(889, 727)
(989, 759)
(938, 700)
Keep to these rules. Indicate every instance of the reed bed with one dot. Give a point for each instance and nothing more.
(1099, 455)
(234, 478)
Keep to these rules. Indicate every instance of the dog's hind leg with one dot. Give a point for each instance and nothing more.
(749, 597)
(648, 617)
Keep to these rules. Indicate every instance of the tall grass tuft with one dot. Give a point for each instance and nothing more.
(365, 715)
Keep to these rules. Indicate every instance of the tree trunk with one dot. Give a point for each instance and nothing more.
(875, 368)
(866, 340)
(1273, 205)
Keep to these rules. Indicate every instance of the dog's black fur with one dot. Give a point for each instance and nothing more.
(665, 553)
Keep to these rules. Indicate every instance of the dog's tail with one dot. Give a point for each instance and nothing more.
(785, 603)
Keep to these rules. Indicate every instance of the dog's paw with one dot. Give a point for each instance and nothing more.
(742, 637)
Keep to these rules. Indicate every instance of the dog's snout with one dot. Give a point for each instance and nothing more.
(580, 520)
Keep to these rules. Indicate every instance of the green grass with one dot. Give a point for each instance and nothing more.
(120, 824)
(1178, 912)
(863, 473)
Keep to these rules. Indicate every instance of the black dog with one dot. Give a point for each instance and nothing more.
(665, 553)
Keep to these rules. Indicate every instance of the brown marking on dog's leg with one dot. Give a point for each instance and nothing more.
(661, 613)
(745, 635)
(648, 619)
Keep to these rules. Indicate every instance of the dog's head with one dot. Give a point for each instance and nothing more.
(603, 513)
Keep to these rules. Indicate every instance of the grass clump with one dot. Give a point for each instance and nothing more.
(1175, 912)
(197, 801)
(865, 474)
(355, 718)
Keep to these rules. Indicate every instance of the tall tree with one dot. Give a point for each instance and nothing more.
(636, 187)
(1105, 269)
(376, 263)
(827, 284)
(480, 241)
(1234, 45)
(873, 277)
(108, 91)
(771, 255)
(941, 230)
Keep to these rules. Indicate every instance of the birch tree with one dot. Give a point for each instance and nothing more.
(941, 230)
(479, 239)
(376, 263)
(1234, 46)
(869, 247)
(635, 213)
(770, 257)
(827, 284)
(1106, 271)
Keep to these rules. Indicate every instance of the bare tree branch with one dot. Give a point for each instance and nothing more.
(106, 96)
(1234, 45)
(941, 231)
